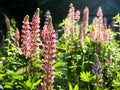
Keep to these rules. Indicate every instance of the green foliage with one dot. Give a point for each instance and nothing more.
(116, 82)
(85, 76)
(14, 66)
(73, 88)
(73, 67)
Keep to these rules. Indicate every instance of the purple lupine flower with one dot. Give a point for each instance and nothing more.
(49, 47)
(25, 37)
(105, 21)
(35, 34)
(97, 70)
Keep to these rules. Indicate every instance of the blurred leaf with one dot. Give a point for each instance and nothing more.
(37, 82)
(72, 66)
(8, 85)
(59, 64)
(70, 86)
(85, 76)
(76, 87)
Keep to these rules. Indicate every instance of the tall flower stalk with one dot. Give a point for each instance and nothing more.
(35, 35)
(70, 21)
(25, 37)
(49, 47)
(83, 26)
(17, 38)
(97, 70)
(100, 34)
(7, 22)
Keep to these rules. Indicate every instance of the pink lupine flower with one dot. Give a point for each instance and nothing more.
(108, 61)
(96, 23)
(7, 22)
(100, 33)
(70, 21)
(83, 26)
(25, 37)
(35, 34)
(81, 38)
(93, 35)
(99, 13)
(77, 15)
(71, 14)
(100, 18)
(85, 19)
(71, 18)
(49, 47)
(105, 37)
(17, 38)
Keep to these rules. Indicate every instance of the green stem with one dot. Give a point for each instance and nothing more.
(83, 62)
(88, 86)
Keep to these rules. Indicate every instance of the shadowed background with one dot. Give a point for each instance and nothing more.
(17, 9)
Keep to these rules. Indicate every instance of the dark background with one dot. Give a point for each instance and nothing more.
(17, 9)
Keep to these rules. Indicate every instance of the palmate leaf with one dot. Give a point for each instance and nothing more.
(85, 76)
(73, 88)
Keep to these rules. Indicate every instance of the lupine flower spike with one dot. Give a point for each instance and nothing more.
(49, 47)
(69, 25)
(99, 35)
(77, 16)
(35, 35)
(25, 37)
(83, 27)
(85, 19)
(17, 38)
(97, 70)
(7, 22)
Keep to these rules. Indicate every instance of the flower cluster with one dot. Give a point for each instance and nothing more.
(25, 37)
(49, 47)
(17, 38)
(35, 34)
(83, 26)
(97, 70)
(72, 18)
(108, 61)
(7, 22)
(31, 36)
(85, 19)
(99, 34)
